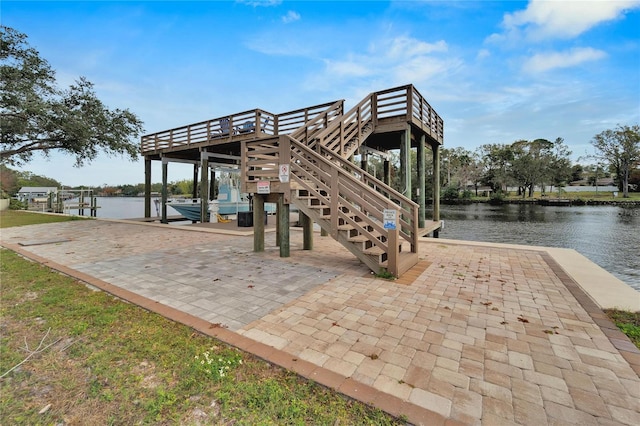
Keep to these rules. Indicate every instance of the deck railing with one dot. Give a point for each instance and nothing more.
(344, 136)
(425, 114)
(257, 122)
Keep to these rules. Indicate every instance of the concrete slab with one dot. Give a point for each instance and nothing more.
(477, 333)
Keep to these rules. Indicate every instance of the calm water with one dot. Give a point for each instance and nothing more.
(608, 235)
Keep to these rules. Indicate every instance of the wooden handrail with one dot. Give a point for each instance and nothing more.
(307, 133)
(371, 195)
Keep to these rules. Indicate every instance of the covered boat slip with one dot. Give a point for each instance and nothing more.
(306, 158)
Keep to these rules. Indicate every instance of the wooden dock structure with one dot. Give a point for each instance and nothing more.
(305, 158)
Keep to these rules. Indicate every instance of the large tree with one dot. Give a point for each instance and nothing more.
(620, 147)
(36, 116)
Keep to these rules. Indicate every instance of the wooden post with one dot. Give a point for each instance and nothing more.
(278, 213)
(283, 226)
(204, 187)
(405, 162)
(363, 161)
(212, 187)
(307, 231)
(435, 149)
(147, 187)
(258, 222)
(195, 181)
(421, 182)
(94, 205)
(165, 165)
(392, 252)
(386, 172)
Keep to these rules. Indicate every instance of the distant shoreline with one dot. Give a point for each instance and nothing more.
(549, 202)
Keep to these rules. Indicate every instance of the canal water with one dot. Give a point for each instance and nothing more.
(607, 235)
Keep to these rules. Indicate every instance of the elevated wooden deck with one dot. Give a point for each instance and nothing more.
(389, 110)
(305, 158)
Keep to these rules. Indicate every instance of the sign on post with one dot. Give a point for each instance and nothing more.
(264, 187)
(389, 218)
(284, 173)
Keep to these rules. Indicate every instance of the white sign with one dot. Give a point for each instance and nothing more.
(389, 218)
(284, 173)
(264, 187)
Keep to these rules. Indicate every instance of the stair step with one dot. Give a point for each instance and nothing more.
(359, 239)
(373, 251)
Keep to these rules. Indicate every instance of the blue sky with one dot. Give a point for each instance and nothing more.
(496, 72)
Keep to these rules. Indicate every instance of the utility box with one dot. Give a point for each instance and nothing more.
(245, 219)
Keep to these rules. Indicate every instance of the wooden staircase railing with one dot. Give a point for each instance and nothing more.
(309, 131)
(350, 208)
(344, 136)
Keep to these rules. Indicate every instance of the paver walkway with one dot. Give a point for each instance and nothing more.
(472, 335)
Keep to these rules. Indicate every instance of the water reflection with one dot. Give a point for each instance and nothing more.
(607, 235)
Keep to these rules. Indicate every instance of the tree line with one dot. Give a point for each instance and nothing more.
(540, 163)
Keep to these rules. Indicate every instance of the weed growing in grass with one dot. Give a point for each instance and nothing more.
(627, 322)
(216, 364)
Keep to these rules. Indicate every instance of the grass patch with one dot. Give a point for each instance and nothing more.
(95, 359)
(9, 218)
(627, 322)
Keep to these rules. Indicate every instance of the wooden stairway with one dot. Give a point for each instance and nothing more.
(344, 200)
(349, 205)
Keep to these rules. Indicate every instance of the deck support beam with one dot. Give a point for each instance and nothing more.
(364, 161)
(195, 181)
(212, 187)
(204, 187)
(421, 182)
(435, 150)
(165, 174)
(405, 162)
(258, 223)
(147, 187)
(307, 231)
(283, 226)
(386, 172)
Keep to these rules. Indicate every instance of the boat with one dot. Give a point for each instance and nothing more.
(229, 202)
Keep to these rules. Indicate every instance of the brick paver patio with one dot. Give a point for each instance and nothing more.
(473, 335)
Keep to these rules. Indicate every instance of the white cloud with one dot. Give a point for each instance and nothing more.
(291, 16)
(483, 53)
(405, 47)
(547, 61)
(347, 68)
(544, 19)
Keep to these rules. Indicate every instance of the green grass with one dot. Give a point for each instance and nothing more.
(9, 218)
(111, 362)
(627, 322)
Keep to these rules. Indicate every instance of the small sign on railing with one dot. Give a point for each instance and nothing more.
(389, 218)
